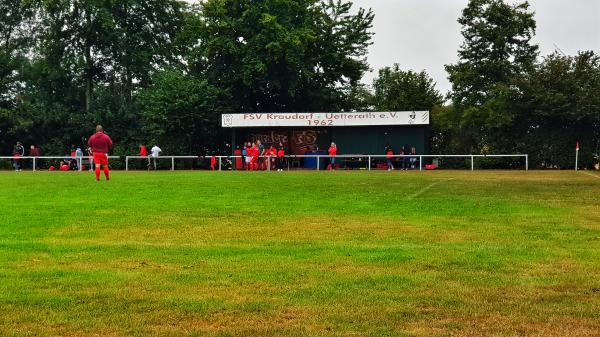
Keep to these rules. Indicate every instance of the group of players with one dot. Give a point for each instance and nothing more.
(256, 157)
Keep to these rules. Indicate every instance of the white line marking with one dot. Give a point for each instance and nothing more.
(427, 188)
(591, 175)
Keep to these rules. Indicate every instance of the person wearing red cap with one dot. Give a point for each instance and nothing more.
(101, 145)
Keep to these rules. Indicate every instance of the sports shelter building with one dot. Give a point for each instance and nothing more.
(353, 132)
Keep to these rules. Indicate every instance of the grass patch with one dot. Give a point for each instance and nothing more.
(300, 254)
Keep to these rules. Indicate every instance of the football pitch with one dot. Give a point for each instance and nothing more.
(453, 253)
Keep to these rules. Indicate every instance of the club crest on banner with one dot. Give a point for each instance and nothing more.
(227, 120)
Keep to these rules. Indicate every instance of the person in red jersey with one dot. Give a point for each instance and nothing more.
(389, 155)
(101, 145)
(332, 153)
(280, 158)
(144, 153)
(255, 155)
(271, 155)
(213, 162)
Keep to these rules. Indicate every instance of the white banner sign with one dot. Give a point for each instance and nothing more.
(309, 119)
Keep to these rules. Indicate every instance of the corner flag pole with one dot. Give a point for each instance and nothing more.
(577, 157)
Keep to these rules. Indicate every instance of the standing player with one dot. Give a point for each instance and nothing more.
(249, 153)
(280, 158)
(261, 154)
(144, 153)
(101, 145)
(18, 152)
(389, 155)
(332, 153)
(255, 155)
(156, 151)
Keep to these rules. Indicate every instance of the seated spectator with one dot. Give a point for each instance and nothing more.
(73, 165)
(34, 151)
(63, 166)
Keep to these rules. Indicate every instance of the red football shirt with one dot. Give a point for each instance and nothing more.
(143, 151)
(332, 151)
(100, 143)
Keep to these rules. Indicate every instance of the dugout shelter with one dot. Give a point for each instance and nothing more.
(353, 132)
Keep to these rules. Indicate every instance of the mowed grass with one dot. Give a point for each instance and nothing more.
(300, 254)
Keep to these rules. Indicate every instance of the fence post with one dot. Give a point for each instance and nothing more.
(472, 163)
(80, 163)
(526, 162)
(420, 163)
(126, 163)
(318, 163)
(369, 159)
(220, 164)
(33, 164)
(172, 163)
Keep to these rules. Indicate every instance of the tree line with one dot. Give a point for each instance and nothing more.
(163, 71)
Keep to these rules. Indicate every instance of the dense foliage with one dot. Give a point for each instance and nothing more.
(505, 101)
(404, 90)
(164, 70)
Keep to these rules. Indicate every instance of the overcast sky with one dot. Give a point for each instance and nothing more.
(424, 34)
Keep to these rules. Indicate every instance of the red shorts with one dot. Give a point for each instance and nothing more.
(100, 159)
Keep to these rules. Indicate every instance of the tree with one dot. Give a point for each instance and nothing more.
(86, 61)
(497, 49)
(181, 113)
(16, 21)
(398, 90)
(282, 55)
(356, 97)
(558, 105)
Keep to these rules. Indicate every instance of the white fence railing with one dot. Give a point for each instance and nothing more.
(35, 160)
(368, 159)
(318, 158)
(152, 160)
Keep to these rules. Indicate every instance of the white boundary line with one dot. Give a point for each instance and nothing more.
(591, 175)
(427, 188)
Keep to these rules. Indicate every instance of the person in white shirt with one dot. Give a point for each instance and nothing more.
(154, 153)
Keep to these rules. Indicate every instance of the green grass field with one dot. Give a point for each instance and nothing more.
(300, 254)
